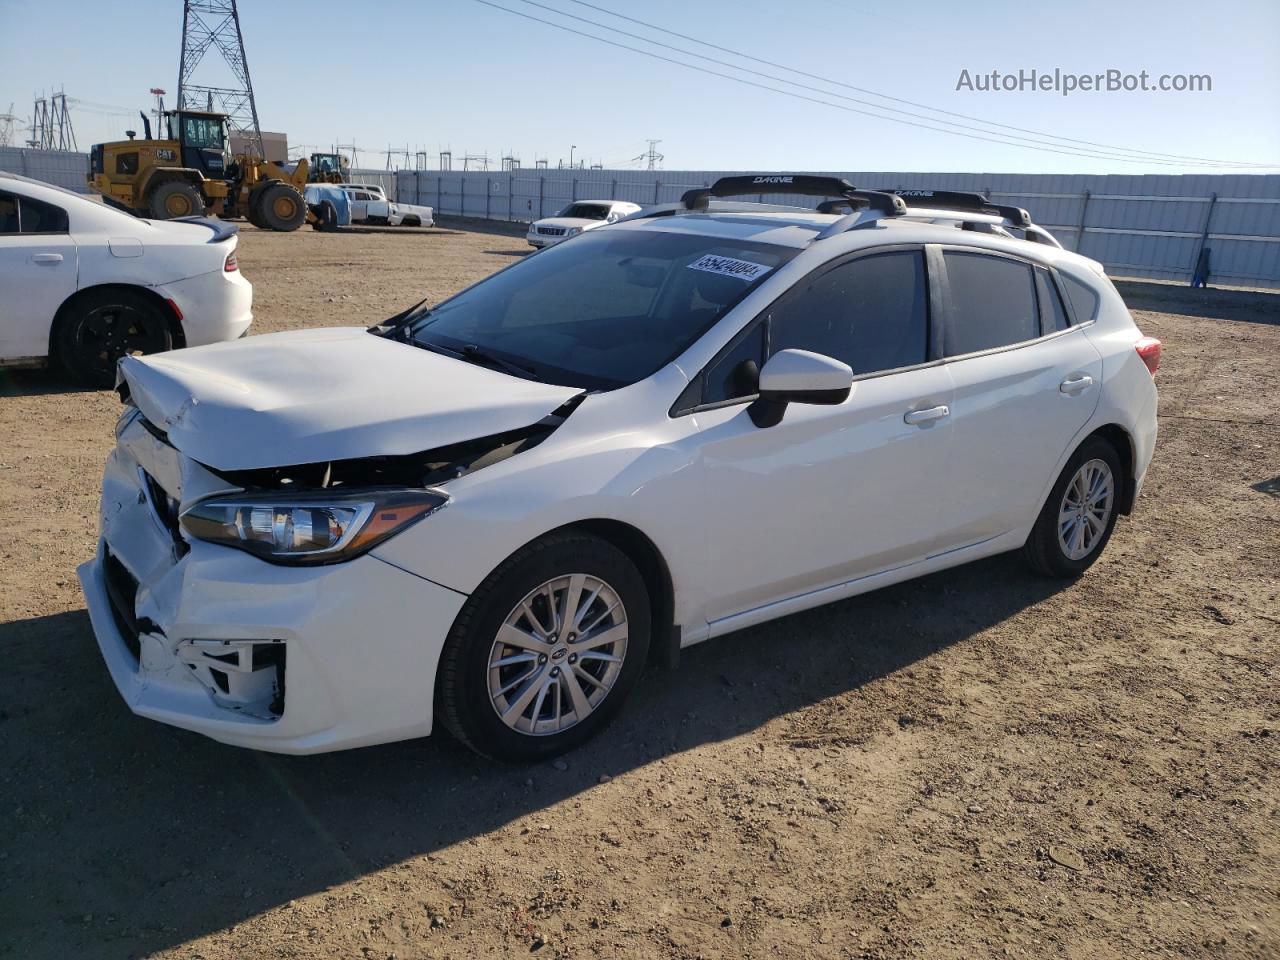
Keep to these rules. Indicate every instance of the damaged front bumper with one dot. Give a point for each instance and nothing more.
(211, 639)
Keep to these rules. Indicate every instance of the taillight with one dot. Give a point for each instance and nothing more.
(1149, 349)
(230, 264)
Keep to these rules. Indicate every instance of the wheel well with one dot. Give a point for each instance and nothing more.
(1119, 438)
(166, 310)
(665, 646)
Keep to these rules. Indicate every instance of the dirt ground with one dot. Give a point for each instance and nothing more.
(976, 764)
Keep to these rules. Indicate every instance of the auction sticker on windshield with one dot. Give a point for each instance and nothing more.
(729, 267)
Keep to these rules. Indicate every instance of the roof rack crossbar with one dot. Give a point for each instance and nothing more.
(958, 200)
(795, 183)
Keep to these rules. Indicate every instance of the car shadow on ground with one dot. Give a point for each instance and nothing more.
(509, 253)
(121, 828)
(41, 381)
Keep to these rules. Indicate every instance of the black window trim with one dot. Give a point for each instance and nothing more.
(933, 339)
(945, 314)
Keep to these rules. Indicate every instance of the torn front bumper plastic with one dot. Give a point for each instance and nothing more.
(211, 639)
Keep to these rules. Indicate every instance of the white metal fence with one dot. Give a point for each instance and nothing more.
(1137, 226)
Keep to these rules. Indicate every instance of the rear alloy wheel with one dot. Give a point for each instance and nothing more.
(1076, 521)
(282, 208)
(177, 198)
(546, 650)
(95, 331)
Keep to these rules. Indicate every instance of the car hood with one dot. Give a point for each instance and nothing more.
(569, 222)
(313, 396)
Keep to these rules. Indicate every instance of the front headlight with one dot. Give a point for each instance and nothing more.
(309, 528)
(573, 231)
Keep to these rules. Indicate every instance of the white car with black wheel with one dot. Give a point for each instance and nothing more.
(493, 512)
(576, 218)
(83, 284)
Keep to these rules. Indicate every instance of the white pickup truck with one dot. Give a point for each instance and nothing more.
(369, 204)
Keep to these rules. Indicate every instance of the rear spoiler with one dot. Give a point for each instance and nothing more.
(221, 229)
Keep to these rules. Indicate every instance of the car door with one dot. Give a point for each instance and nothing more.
(832, 493)
(37, 272)
(1026, 382)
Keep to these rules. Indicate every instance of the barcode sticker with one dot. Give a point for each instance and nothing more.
(729, 267)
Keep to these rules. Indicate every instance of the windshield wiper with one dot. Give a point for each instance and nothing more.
(473, 352)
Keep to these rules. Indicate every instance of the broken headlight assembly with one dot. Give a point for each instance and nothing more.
(309, 528)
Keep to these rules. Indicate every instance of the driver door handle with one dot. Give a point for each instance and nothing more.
(46, 258)
(927, 415)
(1073, 385)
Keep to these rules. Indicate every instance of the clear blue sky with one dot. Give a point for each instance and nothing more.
(457, 74)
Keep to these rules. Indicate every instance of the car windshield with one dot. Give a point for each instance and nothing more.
(586, 211)
(604, 310)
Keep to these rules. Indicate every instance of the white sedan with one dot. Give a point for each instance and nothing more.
(576, 218)
(491, 512)
(83, 284)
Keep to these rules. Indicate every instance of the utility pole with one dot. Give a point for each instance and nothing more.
(572, 148)
(216, 23)
(159, 112)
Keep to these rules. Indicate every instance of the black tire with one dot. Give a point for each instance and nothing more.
(253, 207)
(463, 703)
(326, 216)
(175, 198)
(95, 330)
(282, 208)
(1044, 550)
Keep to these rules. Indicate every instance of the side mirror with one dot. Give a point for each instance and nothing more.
(798, 376)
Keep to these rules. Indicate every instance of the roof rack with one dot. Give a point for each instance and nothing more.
(956, 200)
(884, 202)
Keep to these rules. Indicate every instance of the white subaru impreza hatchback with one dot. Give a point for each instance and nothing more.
(493, 512)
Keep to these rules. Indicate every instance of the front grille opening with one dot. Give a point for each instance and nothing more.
(122, 596)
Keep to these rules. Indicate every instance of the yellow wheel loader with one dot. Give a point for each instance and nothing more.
(192, 173)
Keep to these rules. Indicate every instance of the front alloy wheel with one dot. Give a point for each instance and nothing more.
(546, 650)
(558, 654)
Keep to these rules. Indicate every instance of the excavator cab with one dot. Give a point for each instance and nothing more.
(329, 168)
(202, 138)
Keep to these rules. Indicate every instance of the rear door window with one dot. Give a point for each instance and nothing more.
(40, 217)
(992, 302)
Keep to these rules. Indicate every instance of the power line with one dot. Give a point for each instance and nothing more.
(885, 96)
(1108, 154)
(994, 138)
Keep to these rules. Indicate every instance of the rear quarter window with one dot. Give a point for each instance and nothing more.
(1084, 299)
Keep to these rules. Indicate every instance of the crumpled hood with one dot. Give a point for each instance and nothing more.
(312, 396)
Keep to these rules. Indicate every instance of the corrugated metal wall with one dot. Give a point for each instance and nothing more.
(1138, 226)
(70, 170)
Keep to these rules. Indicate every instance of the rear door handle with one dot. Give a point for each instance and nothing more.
(1073, 385)
(46, 258)
(928, 415)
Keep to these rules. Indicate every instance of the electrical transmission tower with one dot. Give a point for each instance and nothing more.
(51, 124)
(651, 156)
(7, 120)
(216, 23)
